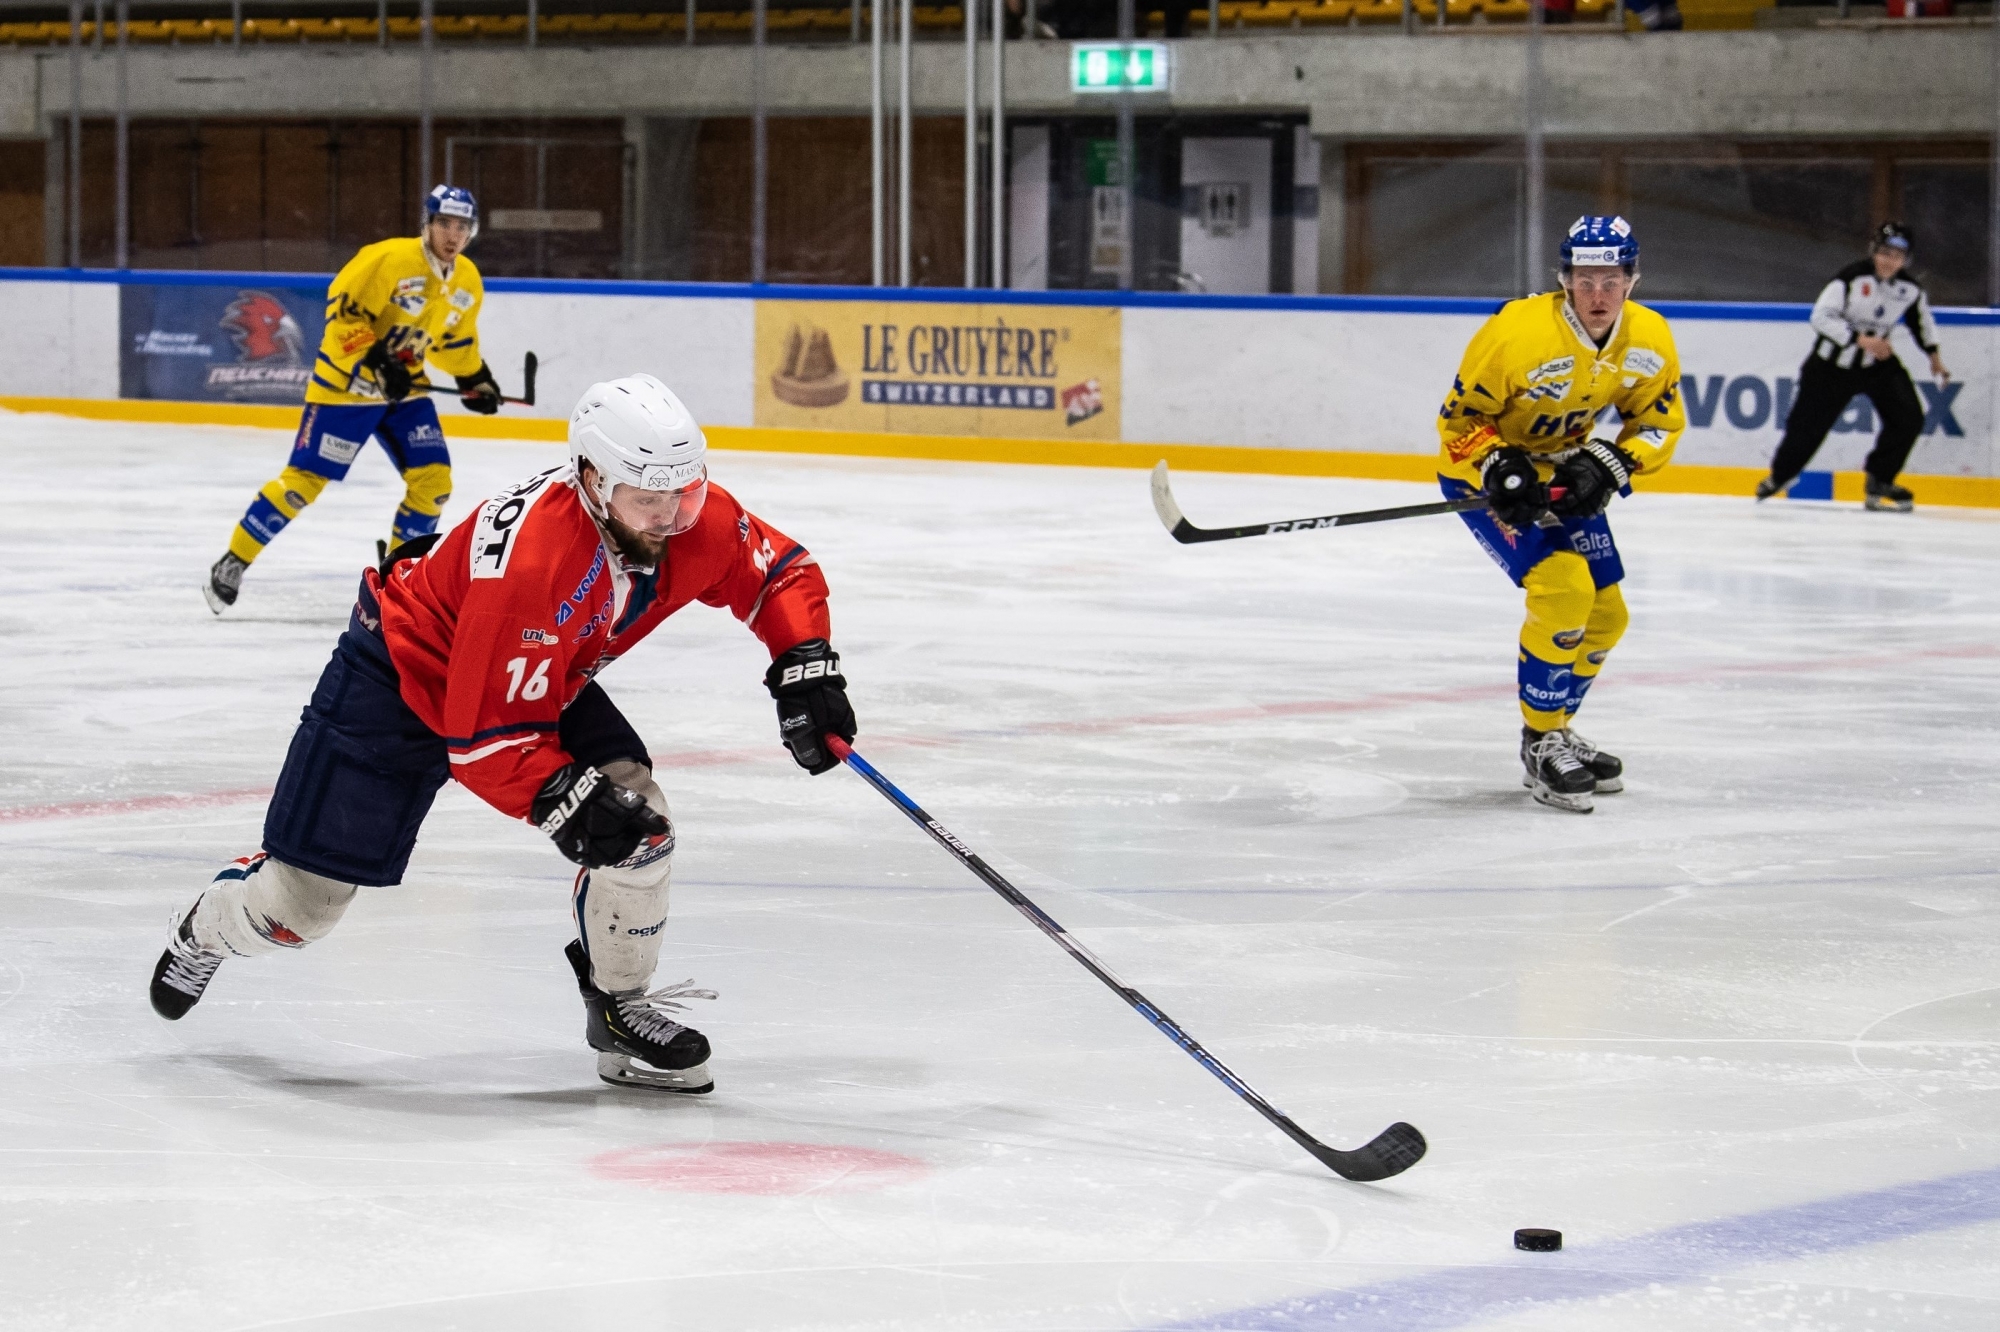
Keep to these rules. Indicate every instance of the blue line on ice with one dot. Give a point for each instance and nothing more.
(1461, 1296)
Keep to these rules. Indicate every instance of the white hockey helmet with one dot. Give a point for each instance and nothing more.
(633, 431)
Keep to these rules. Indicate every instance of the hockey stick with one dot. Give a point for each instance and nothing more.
(528, 368)
(1187, 533)
(1393, 1151)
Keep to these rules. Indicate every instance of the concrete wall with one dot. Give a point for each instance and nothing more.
(1338, 374)
(1366, 83)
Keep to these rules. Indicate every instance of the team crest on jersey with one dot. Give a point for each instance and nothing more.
(1550, 392)
(461, 299)
(409, 295)
(499, 522)
(1644, 362)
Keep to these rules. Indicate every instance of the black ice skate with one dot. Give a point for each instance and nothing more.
(225, 579)
(183, 971)
(1606, 768)
(1768, 487)
(637, 1044)
(1553, 771)
(1888, 497)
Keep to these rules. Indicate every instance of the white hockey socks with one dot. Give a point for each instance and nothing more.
(621, 909)
(259, 905)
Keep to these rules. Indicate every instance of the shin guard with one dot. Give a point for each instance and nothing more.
(621, 909)
(1608, 618)
(259, 905)
(1560, 596)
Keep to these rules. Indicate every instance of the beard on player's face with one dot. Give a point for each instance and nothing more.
(633, 544)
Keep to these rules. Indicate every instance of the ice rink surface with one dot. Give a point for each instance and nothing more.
(1734, 1034)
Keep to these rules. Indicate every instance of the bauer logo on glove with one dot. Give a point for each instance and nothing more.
(812, 702)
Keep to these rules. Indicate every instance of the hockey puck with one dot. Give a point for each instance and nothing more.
(1538, 1241)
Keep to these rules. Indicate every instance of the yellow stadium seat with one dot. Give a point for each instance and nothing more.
(1379, 11)
(1328, 11)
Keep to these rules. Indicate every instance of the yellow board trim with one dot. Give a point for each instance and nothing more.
(1981, 492)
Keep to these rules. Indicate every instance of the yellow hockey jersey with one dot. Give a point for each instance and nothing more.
(390, 291)
(1532, 378)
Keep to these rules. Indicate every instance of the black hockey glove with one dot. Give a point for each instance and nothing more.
(1514, 490)
(391, 374)
(593, 820)
(479, 391)
(812, 701)
(1590, 477)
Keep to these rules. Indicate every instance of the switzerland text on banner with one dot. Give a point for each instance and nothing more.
(1009, 371)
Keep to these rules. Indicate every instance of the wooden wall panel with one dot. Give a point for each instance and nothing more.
(23, 167)
(819, 223)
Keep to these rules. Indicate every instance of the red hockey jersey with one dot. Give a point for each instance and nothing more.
(496, 630)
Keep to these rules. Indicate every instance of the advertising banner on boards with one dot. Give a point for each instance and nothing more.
(230, 343)
(917, 367)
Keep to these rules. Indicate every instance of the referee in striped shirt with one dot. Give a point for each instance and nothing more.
(1851, 357)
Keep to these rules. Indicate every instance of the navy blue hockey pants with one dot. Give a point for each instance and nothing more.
(362, 769)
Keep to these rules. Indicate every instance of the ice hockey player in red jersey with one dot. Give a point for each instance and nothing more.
(475, 658)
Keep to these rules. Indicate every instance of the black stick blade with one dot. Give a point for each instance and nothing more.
(1394, 1150)
(528, 368)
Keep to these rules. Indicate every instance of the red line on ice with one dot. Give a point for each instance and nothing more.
(703, 758)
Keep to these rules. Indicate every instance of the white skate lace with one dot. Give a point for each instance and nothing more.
(192, 967)
(1555, 750)
(1582, 748)
(647, 1013)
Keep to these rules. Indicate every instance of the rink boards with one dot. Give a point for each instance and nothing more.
(1328, 385)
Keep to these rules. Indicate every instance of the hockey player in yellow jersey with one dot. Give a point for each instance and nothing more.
(1523, 420)
(398, 304)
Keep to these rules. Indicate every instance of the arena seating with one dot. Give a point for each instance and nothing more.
(798, 20)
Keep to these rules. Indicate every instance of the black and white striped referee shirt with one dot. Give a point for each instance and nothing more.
(1857, 302)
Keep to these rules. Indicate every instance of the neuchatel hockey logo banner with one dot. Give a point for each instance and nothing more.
(914, 367)
(234, 343)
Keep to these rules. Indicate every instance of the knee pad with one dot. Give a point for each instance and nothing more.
(277, 503)
(425, 489)
(259, 905)
(1608, 618)
(1561, 595)
(621, 910)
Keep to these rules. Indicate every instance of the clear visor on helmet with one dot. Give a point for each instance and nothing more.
(659, 513)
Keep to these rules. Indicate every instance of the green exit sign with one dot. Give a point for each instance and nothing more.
(1109, 67)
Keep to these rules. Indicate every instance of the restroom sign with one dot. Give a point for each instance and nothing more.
(1109, 67)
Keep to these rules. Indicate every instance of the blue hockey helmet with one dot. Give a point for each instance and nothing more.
(1595, 240)
(452, 201)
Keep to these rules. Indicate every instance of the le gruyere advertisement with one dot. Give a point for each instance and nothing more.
(915, 367)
